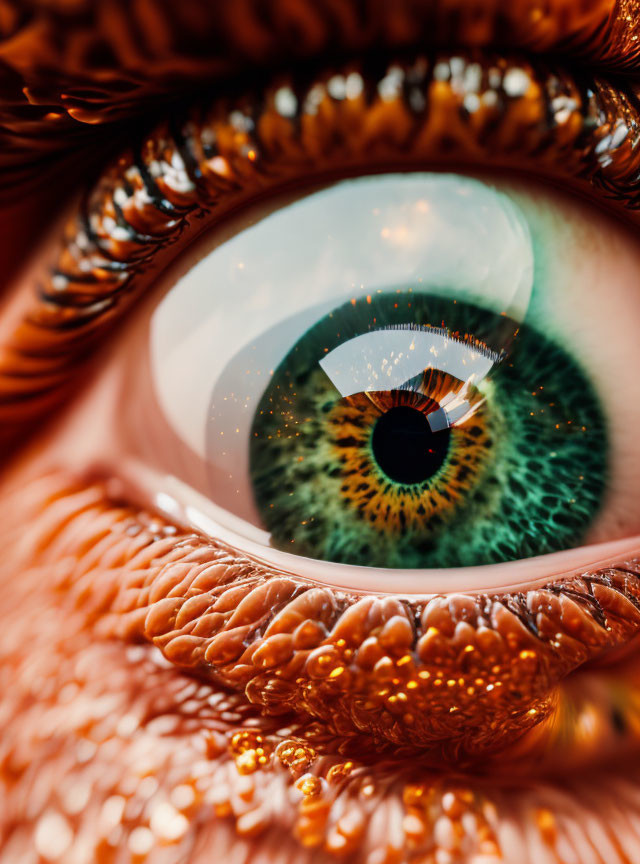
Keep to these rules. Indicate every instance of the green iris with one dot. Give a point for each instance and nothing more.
(363, 479)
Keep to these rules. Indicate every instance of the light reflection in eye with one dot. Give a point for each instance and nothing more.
(448, 299)
(390, 357)
(269, 290)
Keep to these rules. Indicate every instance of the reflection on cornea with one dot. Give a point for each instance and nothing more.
(387, 359)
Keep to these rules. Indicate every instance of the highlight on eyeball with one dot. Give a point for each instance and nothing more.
(319, 426)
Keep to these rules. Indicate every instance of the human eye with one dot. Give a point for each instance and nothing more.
(429, 400)
(220, 643)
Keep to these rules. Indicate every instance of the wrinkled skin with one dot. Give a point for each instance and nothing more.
(165, 698)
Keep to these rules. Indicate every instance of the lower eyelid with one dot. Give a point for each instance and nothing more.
(126, 725)
(286, 643)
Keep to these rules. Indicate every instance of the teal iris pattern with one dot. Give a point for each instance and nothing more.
(363, 480)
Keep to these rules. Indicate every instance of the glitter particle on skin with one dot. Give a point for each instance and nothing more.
(250, 751)
(53, 836)
(296, 756)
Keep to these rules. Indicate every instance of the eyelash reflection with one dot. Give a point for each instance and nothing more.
(473, 110)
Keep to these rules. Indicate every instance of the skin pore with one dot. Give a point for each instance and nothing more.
(166, 697)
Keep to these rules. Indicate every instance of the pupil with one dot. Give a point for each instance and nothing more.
(404, 446)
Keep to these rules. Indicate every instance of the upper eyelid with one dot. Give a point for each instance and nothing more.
(56, 60)
(223, 154)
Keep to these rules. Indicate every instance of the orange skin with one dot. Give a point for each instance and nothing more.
(164, 698)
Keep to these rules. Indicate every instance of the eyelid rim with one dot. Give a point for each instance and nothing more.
(181, 504)
(183, 177)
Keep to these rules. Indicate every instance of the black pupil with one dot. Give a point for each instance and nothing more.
(404, 446)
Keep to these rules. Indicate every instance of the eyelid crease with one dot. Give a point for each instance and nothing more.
(453, 109)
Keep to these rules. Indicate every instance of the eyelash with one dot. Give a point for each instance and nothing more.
(207, 41)
(473, 110)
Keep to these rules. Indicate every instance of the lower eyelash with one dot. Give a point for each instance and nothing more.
(477, 110)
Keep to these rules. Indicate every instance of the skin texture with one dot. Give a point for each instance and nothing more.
(118, 717)
(165, 698)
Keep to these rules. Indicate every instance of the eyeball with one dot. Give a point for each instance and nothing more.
(405, 371)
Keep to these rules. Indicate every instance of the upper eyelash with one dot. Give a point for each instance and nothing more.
(476, 109)
(216, 41)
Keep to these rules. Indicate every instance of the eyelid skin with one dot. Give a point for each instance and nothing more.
(105, 733)
(476, 111)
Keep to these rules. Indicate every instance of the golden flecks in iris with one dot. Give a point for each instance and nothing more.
(366, 487)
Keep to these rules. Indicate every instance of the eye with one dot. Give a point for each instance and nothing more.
(232, 158)
(409, 371)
